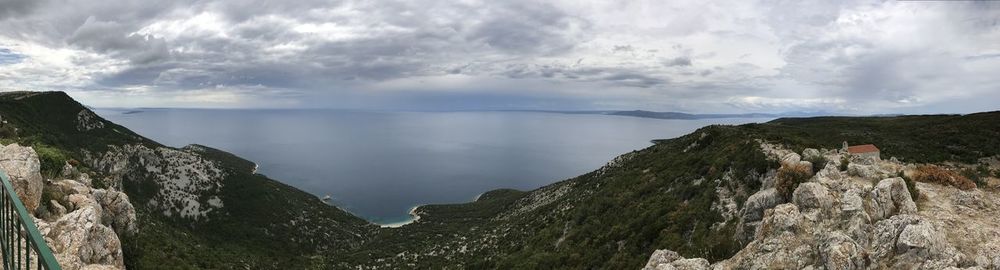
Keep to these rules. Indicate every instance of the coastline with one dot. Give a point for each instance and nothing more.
(413, 218)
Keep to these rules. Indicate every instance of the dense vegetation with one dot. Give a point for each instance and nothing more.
(263, 225)
(612, 218)
(917, 138)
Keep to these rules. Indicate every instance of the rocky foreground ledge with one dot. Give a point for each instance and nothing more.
(859, 218)
(81, 224)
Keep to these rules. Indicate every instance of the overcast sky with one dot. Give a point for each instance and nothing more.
(690, 56)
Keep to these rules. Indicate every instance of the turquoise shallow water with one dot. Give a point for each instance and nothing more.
(380, 164)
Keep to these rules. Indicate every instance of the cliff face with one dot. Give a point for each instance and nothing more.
(862, 218)
(81, 224)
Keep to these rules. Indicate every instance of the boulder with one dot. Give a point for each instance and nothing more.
(690, 264)
(884, 236)
(920, 239)
(661, 257)
(791, 158)
(812, 195)
(79, 241)
(758, 202)
(851, 201)
(118, 213)
(863, 171)
(668, 260)
(841, 252)
(891, 197)
(782, 218)
(22, 166)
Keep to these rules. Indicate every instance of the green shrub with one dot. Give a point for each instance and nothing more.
(844, 161)
(7, 131)
(818, 163)
(975, 176)
(52, 159)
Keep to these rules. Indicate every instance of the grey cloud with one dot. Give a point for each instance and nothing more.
(15, 8)
(112, 38)
(529, 28)
(679, 61)
(340, 47)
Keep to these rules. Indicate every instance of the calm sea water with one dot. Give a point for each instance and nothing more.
(380, 164)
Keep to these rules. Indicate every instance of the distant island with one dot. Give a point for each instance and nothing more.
(687, 116)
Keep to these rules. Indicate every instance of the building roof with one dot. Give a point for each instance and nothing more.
(857, 149)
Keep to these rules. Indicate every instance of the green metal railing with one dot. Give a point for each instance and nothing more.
(21, 243)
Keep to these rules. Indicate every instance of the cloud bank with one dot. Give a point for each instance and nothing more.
(693, 56)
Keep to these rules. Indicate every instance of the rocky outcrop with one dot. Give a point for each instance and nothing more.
(86, 120)
(891, 197)
(187, 184)
(22, 167)
(846, 220)
(80, 224)
(79, 240)
(812, 196)
(118, 211)
(669, 260)
(83, 226)
(753, 212)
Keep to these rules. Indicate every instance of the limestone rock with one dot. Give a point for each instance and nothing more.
(22, 166)
(812, 195)
(118, 212)
(661, 257)
(86, 120)
(784, 217)
(668, 260)
(863, 171)
(891, 197)
(753, 212)
(920, 239)
(78, 240)
(690, 264)
(791, 158)
(760, 201)
(851, 201)
(841, 252)
(884, 236)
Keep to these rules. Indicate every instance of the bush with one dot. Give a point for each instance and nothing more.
(52, 159)
(7, 132)
(789, 177)
(942, 176)
(976, 176)
(844, 161)
(818, 163)
(911, 186)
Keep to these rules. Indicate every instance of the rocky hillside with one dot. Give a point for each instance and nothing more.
(728, 197)
(862, 217)
(195, 207)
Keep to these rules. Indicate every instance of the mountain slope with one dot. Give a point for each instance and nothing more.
(200, 207)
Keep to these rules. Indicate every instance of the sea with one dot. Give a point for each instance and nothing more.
(380, 164)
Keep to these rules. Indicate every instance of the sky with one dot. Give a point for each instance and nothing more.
(854, 57)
